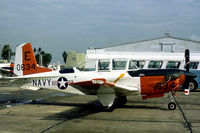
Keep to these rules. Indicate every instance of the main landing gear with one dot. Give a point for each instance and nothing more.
(118, 102)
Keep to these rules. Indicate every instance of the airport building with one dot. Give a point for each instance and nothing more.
(3, 61)
(163, 44)
(75, 59)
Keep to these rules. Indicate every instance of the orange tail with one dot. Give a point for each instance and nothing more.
(25, 62)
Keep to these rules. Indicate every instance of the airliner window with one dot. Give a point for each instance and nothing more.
(194, 65)
(133, 64)
(155, 64)
(103, 65)
(173, 64)
(90, 65)
(119, 65)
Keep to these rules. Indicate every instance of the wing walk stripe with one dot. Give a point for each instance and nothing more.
(121, 75)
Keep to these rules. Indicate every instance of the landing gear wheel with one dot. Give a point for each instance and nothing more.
(120, 101)
(172, 106)
(109, 109)
(193, 85)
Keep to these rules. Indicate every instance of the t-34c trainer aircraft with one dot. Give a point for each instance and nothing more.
(111, 87)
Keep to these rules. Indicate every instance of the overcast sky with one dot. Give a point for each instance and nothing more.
(64, 25)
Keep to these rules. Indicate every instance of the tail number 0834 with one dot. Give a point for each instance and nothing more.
(25, 67)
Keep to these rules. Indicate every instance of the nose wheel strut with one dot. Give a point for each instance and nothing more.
(171, 104)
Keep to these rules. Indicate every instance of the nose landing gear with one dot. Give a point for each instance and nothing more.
(171, 104)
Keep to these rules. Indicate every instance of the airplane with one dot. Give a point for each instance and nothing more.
(6, 67)
(110, 87)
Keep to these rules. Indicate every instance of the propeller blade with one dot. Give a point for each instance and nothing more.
(187, 67)
(187, 60)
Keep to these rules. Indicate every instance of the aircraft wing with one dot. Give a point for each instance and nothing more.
(101, 83)
(4, 70)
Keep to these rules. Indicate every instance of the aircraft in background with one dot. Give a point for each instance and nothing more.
(111, 87)
(7, 67)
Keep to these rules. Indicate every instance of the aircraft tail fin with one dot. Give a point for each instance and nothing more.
(25, 62)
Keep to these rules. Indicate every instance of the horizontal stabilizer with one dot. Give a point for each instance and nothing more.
(33, 88)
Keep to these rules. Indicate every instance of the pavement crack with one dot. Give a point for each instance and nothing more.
(52, 126)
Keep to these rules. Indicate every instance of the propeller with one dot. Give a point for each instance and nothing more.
(188, 75)
(187, 60)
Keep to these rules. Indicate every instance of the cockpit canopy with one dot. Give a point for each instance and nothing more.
(66, 70)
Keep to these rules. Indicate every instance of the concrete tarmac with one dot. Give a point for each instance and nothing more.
(47, 111)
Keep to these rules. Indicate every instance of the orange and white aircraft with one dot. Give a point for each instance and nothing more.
(7, 67)
(111, 87)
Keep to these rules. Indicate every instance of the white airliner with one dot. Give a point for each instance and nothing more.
(111, 87)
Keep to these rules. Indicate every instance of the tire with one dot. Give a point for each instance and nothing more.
(120, 101)
(172, 106)
(192, 84)
(109, 109)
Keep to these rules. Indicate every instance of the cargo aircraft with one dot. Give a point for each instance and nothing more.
(111, 87)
